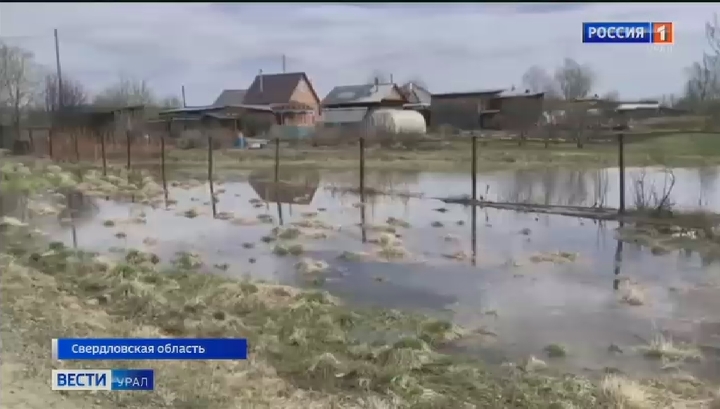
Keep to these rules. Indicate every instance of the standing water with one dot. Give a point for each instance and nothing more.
(538, 279)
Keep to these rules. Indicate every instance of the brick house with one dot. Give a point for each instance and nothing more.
(291, 96)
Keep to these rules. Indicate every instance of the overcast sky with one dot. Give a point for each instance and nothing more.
(451, 47)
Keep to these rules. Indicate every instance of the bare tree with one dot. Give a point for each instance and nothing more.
(521, 115)
(611, 96)
(712, 33)
(537, 79)
(73, 93)
(126, 92)
(702, 87)
(574, 80)
(702, 83)
(579, 118)
(16, 81)
(170, 102)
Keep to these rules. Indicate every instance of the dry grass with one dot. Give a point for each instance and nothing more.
(631, 293)
(558, 257)
(623, 393)
(303, 351)
(664, 348)
(453, 154)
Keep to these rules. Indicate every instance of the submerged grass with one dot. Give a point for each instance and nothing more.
(300, 341)
(664, 348)
(308, 349)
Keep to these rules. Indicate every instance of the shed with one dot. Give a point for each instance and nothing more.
(250, 119)
(639, 111)
(461, 110)
(514, 110)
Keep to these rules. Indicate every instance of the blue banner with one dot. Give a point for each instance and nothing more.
(136, 349)
(132, 380)
(617, 32)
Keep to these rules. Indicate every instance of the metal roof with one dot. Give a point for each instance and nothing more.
(515, 93)
(191, 109)
(416, 94)
(468, 93)
(359, 94)
(213, 108)
(344, 115)
(418, 105)
(275, 88)
(231, 97)
(633, 107)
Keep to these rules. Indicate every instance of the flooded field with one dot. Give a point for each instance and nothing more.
(530, 284)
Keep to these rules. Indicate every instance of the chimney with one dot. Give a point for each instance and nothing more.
(391, 79)
(411, 86)
(377, 83)
(527, 91)
(261, 81)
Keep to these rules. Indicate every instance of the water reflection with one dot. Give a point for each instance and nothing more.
(618, 261)
(14, 205)
(694, 188)
(291, 188)
(538, 303)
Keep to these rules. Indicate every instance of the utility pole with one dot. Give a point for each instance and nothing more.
(59, 72)
(183, 97)
(283, 63)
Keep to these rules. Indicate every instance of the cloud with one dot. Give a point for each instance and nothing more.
(452, 47)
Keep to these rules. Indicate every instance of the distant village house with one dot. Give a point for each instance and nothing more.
(350, 105)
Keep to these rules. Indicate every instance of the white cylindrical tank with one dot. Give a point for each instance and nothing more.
(397, 121)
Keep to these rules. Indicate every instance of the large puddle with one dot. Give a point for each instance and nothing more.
(520, 304)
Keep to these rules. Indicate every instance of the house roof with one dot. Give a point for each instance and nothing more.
(479, 93)
(213, 108)
(416, 94)
(231, 97)
(635, 107)
(344, 115)
(519, 94)
(276, 88)
(360, 94)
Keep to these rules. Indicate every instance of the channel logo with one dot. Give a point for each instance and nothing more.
(663, 33)
(658, 33)
(103, 380)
